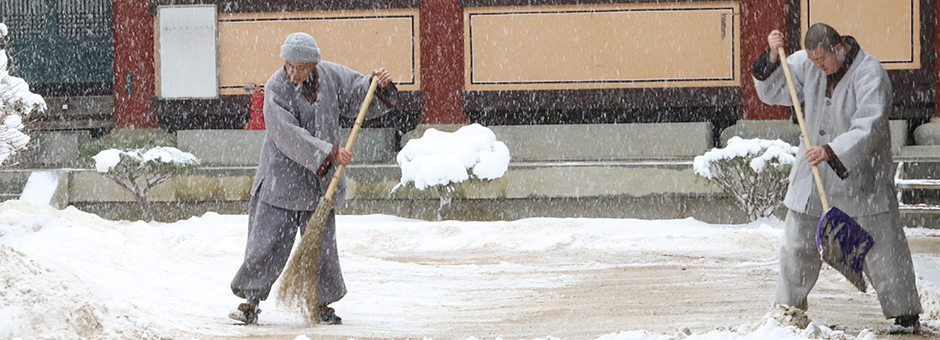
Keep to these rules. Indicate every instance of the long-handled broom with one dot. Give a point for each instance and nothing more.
(299, 280)
(842, 242)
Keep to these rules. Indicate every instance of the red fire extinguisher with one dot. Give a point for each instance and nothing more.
(256, 110)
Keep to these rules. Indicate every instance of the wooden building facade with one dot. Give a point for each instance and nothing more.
(502, 62)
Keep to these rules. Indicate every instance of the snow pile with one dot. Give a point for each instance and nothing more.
(541, 235)
(927, 269)
(789, 316)
(16, 102)
(39, 302)
(783, 323)
(930, 301)
(771, 329)
(764, 152)
(50, 300)
(106, 160)
(41, 186)
(442, 158)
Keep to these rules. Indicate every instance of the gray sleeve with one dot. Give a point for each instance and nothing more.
(774, 89)
(353, 86)
(763, 68)
(284, 129)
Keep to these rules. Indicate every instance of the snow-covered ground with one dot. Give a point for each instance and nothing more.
(66, 274)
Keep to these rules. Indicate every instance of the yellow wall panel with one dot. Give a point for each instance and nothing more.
(249, 43)
(602, 46)
(888, 29)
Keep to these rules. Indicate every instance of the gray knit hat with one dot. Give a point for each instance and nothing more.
(300, 47)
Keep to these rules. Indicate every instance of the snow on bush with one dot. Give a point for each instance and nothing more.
(138, 172)
(155, 159)
(16, 102)
(753, 171)
(441, 158)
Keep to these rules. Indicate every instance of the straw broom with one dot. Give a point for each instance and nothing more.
(298, 288)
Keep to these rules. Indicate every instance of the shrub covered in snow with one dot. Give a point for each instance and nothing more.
(753, 171)
(439, 160)
(127, 139)
(16, 102)
(138, 171)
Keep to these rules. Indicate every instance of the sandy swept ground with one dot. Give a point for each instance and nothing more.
(659, 292)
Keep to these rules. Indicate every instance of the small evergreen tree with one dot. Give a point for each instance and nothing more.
(753, 171)
(445, 192)
(16, 103)
(138, 171)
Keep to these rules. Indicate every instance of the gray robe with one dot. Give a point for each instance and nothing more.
(299, 137)
(854, 122)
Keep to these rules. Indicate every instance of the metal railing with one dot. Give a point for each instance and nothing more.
(915, 184)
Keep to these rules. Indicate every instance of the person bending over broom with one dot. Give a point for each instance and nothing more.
(303, 102)
(847, 97)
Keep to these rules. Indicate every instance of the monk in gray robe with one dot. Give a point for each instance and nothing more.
(848, 99)
(303, 102)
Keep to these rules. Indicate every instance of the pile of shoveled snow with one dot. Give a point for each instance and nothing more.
(37, 301)
(40, 302)
(930, 301)
(780, 323)
(771, 329)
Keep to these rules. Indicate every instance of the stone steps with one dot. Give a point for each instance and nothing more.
(918, 184)
(919, 173)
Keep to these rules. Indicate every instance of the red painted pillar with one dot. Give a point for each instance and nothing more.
(758, 18)
(133, 64)
(936, 60)
(442, 62)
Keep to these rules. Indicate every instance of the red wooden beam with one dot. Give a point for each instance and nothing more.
(936, 60)
(758, 18)
(442, 62)
(133, 64)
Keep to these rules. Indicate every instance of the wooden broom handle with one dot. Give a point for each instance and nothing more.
(352, 135)
(799, 117)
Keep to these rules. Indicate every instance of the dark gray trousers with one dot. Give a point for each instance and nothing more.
(888, 264)
(271, 233)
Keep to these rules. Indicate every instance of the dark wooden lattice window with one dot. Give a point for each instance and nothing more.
(61, 47)
(29, 17)
(83, 18)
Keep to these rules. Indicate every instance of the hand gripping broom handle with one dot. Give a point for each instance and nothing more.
(799, 117)
(352, 135)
